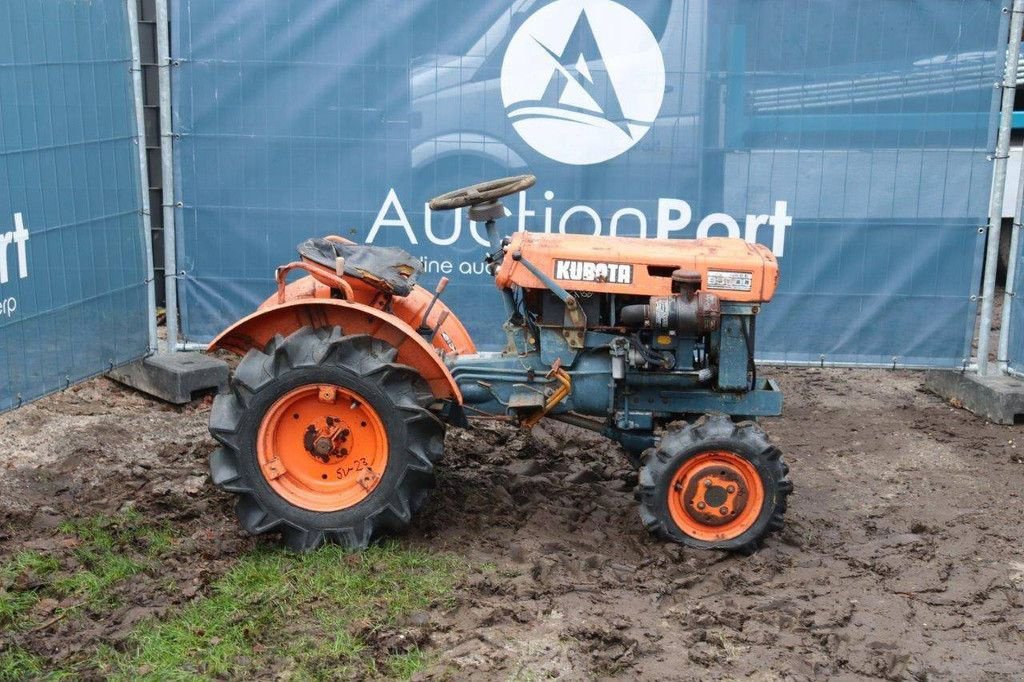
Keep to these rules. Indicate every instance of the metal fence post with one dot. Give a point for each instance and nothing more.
(1003, 351)
(163, 50)
(995, 206)
(140, 142)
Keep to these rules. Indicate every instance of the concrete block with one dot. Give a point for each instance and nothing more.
(175, 377)
(999, 399)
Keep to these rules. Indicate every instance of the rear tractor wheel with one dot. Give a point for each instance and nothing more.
(325, 439)
(714, 484)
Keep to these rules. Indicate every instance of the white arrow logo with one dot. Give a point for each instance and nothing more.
(583, 80)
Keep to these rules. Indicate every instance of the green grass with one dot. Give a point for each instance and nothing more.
(310, 616)
(127, 530)
(403, 666)
(110, 550)
(329, 614)
(18, 664)
(106, 550)
(88, 562)
(17, 577)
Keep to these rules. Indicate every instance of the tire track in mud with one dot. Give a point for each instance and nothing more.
(893, 564)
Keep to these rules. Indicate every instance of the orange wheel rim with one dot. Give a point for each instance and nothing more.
(715, 495)
(322, 447)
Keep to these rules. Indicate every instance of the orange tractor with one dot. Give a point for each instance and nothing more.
(337, 412)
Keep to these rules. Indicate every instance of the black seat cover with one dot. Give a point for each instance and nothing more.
(387, 268)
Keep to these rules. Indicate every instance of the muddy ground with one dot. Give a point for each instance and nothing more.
(901, 559)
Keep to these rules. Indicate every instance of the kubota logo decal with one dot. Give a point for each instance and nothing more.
(586, 271)
(583, 80)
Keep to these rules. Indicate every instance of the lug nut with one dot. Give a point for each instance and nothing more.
(723, 511)
(701, 505)
(730, 489)
(707, 482)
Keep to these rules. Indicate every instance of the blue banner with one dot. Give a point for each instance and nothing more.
(851, 138)
(72, 256)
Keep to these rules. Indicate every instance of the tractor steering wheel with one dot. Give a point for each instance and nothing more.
(482, 193)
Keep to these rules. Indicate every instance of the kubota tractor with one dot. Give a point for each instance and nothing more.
(337, 411)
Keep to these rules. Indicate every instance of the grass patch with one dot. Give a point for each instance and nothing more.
(18, 664)
(127, 530)
(20, 578)
(328, 614)
(89, 559)
(105, 552)
(405, 665)
(109, 551)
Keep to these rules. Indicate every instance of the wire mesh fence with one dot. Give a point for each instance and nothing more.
(72, 262)
(852, 138)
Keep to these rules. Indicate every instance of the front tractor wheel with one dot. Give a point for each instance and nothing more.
(325, 439)
(714, 485)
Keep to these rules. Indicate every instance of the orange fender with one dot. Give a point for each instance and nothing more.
(257, 329)
(452, 336)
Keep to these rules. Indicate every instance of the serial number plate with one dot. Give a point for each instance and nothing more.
(729, 281)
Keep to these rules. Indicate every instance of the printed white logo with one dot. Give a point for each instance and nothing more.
(582, 80)
(17, 237)
(585, 271)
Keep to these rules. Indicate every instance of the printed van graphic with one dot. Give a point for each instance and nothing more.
(577, 92)
(583, 80)
(567, 89)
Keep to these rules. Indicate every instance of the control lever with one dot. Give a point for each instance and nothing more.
(438, 290)
(437, 327)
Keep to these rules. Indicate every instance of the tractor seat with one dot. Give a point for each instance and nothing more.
(387, 268)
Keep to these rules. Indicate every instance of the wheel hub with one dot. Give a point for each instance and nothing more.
(322, 447)
(715, 495)
(329, 442)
